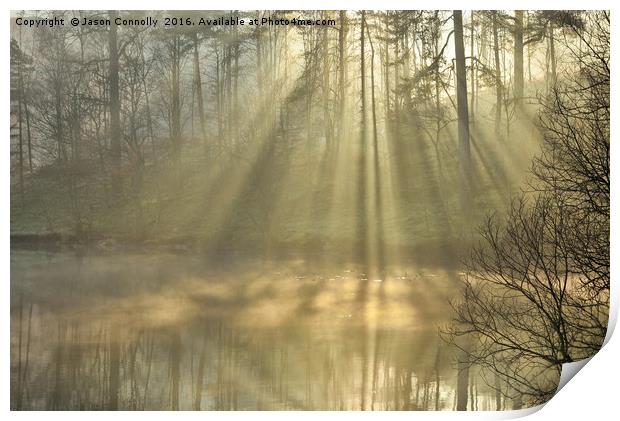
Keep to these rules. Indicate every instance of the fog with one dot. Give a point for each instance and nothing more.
(211, 216)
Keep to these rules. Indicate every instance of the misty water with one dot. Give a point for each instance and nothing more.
(172, 331)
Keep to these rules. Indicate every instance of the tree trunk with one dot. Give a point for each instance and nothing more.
(473, 67)
(362, 161)
(28, 135)
(387, 68)
(198, 82)
(342, 36)
(396, 80)
(229, 95)
(115, 105)
(552, 55)
(218, 98)
(498, 78)
(462, 382)
(463, 115)
(235, 114)
(372, 92)
(437, 78)
(363, 69)
(20, 132)
(518, 62)
(326, 88)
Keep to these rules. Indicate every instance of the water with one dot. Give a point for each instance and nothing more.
(166, 331)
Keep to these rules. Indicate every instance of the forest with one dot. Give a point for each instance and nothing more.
(199, 212)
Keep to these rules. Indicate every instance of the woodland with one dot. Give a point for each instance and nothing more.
(475, 142)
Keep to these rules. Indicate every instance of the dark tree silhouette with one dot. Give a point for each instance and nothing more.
(536, 292)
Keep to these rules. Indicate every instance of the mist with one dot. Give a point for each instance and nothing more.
(210, 213)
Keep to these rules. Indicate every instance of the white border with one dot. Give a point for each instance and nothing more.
(310, 4)
(592, 394)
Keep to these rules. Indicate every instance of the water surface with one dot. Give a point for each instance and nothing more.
(167, 331)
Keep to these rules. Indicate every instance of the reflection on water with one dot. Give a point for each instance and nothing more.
(174, 332)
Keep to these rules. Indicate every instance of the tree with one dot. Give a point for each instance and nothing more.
(342, 69)
(326, 86)
(18, 62)
(115, 107)
(198, 84)
(518, 61)
(462, 109)
(498, 74)
(575, 160)
(536, 290)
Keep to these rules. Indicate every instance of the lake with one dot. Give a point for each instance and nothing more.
(162, 331)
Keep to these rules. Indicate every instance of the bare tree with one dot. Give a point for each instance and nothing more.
(536, 291)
